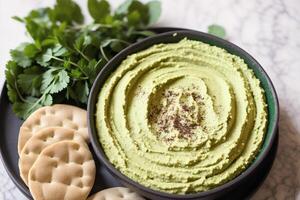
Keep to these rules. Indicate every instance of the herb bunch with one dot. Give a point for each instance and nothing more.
(64, 57)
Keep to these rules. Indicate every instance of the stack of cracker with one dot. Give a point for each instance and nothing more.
(55, 161)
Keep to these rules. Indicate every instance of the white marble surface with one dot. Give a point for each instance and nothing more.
(267, 29)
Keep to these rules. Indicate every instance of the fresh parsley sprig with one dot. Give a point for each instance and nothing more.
(64, 56)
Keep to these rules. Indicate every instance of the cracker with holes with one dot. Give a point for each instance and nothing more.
(57, 115)
(116, 193)
(40, 141)
(64, 170)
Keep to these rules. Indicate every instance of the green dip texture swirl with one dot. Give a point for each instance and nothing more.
(181, 117)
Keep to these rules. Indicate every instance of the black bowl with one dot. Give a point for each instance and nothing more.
(171, 37)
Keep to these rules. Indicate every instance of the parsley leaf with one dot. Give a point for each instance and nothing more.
(67, 11)
(154, 11)
(38, 24)
(44, 59)
(217, 30)
(59, 50)
(19, 56)
(47, 100)
(54, 80)
(99, 9)
(123, 8)
(24, 109)
(138, 14)
(19, 19)
(30, 50)
(11, 73)
(82, 91)
(30, 81)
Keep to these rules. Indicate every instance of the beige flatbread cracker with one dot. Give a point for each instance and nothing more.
(57, 115)
(64, 170)
(116, 193)
(39, 141)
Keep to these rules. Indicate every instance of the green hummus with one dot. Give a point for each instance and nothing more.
(182, 117)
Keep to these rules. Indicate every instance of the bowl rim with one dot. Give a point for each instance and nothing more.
(133, 48)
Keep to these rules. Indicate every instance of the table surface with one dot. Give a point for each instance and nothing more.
(268, 29)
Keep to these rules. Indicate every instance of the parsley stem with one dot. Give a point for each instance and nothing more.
(82, 54)
(18, 92)
(35, 104)
(122, 41)
(59, 59)
(92, 27)
(103, 53)
(40, 99)
(98, 62)
(72, 63)
(81, 78)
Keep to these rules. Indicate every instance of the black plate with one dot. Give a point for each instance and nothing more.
(10, 124)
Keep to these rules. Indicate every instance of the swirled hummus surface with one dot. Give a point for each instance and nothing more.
(181, 117)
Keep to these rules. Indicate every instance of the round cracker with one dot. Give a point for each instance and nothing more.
(116, 193)
(39, 141)
(57, 115)
(64, 170)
